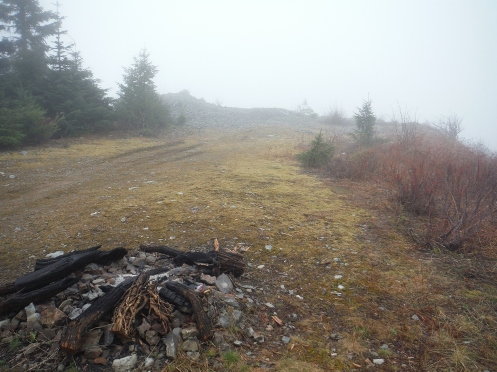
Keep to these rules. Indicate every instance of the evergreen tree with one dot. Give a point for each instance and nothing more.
(365, 121)
(29, 26)
(139, 105)
(23, 121)
(23, 71)
(73, 93)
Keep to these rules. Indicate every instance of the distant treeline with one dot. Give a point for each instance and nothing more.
(46, 92)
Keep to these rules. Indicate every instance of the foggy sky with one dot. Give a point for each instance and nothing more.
(433, 57)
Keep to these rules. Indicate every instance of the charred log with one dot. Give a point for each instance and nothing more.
(7, 289)
(221, 261)
(202, 321)
(73, 335)
(17, 301)
(41, 263)
(65, 266)
(160, 249)
(175, 299)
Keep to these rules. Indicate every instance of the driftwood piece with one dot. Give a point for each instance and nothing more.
(65, 266)
(221, 261)
(73, 336)
(17, 301)
(202, 321)
(42, 262)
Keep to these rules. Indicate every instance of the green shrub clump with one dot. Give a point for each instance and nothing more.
(319, 155)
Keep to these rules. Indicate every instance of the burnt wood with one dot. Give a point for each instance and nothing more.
(7, 289)
(202, 321)
(73, 336)
(179, 302)
(160, 249)
(221, 261)
(65, 266)
(18, 301)
(42, 262)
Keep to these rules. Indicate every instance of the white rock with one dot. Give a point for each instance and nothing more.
(378, 361)
(148, 362)
(54, 254)
(124, 364)
(338, 277)
(30, 309)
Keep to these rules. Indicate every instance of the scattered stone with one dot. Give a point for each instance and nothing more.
(285, 339)
(125, 364)
(143, 328)
(92, 338)
(415, 317)
(208, 279)
(378, 361)
(189, 332)
(194, 355)
(224, 284)
(93, 352)
(190, 345)
(238, 343)
(52, 316)
(171, 341)
(100, 360)
(148, 362)
(152, 337)
(54, 254)
(258, 337)
(237, 316)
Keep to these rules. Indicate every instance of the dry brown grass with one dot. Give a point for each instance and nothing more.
(246, 187)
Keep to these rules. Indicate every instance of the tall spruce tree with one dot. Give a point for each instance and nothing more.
(23, 71)
(29, 27)
(139, 105)
(72, 93)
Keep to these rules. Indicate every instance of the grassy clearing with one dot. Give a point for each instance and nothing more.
(339, 245)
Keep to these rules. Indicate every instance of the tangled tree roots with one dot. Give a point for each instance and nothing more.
(142, 297)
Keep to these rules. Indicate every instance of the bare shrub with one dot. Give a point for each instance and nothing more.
(336, 116)
(449, 126)
(450, 188)
(454, 186)
(407, 127)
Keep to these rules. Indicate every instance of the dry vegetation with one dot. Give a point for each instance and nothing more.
(436, 310)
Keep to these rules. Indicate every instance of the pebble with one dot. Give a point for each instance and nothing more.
(125, 364)
(378, 361)
(224, 284)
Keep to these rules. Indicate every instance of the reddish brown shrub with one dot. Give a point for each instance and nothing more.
(451, 186)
